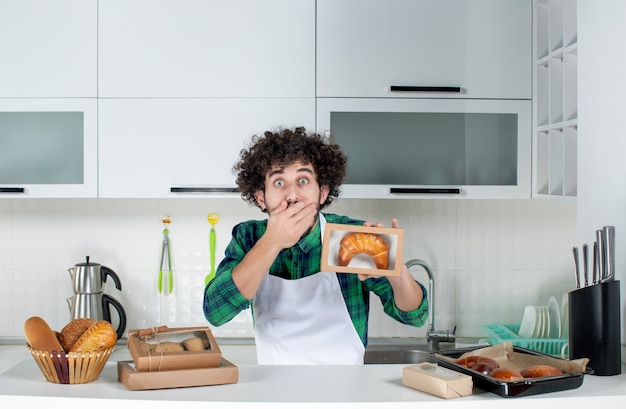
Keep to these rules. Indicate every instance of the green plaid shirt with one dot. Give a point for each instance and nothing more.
(222, 299)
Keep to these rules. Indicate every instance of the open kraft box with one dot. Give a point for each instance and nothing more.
(361, 263)
(174, 357)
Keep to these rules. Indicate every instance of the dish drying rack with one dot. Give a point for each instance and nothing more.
(509, 332)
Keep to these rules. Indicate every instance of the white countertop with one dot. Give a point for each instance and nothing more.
(365, 386)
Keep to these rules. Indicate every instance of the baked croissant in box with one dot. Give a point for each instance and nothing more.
(364, 243)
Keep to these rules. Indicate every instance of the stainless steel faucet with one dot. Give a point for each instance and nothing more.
(433, 336)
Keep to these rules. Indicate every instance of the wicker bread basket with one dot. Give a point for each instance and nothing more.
(72, 367)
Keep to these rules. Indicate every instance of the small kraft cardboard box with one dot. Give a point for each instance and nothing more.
(436, 380)
(136, 380)
(164, 349)
(373, 251)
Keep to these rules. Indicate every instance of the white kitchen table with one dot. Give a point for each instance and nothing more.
(367, 386)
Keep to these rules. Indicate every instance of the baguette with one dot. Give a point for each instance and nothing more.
(40, 336)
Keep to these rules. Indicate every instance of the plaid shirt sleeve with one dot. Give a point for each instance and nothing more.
(356, 294)
(382, 288)
(222, 299)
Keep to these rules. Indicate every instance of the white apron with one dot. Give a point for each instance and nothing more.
(304, 321)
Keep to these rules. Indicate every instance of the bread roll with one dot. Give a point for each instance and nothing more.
(367, 243)
(505, 374)
(168, 347)
(485, 365)
(539, 371)
(73, 331)
(468, 361)
(40, 336)
(100, 336)
(194, 344)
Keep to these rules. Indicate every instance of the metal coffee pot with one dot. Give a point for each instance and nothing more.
(89, 278)
(89, 300)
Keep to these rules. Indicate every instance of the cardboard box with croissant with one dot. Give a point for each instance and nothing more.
(373, 251)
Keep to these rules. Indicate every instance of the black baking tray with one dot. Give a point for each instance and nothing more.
(512, 389)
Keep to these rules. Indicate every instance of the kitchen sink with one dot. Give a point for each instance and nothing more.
(389, 351)
(395, 356)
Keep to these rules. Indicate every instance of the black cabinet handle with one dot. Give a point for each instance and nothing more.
(426, 190)
(410, 88)
(204, 190)
(11, 190)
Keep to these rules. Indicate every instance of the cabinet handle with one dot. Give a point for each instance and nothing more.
(204, 190)
(410, 88)
(427, 190)
(11, 190)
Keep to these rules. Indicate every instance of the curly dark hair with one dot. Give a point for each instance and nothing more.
(285, 147)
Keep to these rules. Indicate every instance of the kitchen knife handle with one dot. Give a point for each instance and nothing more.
(601, 255)
(576, 266)
(608, 235)
(595, 268)
(586, 264)
(423, 88)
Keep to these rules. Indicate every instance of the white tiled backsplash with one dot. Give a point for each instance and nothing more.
(490, 257)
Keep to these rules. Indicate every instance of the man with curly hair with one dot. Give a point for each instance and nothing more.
(301, 315)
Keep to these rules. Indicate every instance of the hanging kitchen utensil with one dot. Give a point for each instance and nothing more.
(213, 218)
(166, 253)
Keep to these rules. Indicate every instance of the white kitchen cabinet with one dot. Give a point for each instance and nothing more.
(555, 102)
(48, 147)
(364, 47)
(206, 48)
(48, 48)
(400, 148)
(149, 148)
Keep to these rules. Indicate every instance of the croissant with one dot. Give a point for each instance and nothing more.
(367, 243)
(100, 336)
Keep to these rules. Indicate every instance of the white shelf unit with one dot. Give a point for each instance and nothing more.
(555, 107)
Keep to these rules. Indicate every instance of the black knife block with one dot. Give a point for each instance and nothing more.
(594, 327)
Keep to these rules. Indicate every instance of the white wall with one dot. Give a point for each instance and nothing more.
(490, 257)
(602, 125)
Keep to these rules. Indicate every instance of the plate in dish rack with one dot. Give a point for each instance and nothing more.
(555, 318)
(565, 316)
(529, 322)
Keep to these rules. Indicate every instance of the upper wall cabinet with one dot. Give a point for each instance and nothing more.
(206, 48)
(48, 147)
(48, 48)
(424, 48)
(184, 147)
